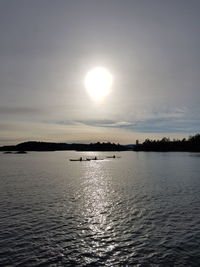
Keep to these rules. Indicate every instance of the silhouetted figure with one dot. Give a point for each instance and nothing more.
(81, 159)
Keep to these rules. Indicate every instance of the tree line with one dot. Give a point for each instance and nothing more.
(48, 146)
(165, 144)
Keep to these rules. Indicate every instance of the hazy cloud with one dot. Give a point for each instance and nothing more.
(151, 48)
(19, 110)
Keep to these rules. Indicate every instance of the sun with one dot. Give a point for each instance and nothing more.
(98, 83)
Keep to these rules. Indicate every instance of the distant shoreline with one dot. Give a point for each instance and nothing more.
(192, 144)
(47, 146)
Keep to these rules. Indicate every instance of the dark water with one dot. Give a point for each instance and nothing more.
(142, 209)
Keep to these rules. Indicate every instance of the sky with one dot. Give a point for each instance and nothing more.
(151, 48)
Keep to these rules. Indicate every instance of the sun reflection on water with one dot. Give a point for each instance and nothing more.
(97, 225)
(96, 197)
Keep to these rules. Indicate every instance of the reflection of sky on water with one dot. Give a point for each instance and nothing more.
(96, 200)
(96, 227)
(127, 211)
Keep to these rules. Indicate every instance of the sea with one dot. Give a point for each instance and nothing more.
(137, 209)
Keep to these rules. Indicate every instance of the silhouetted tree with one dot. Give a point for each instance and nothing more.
(192, 144)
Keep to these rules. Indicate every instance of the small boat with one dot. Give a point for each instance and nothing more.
(80, 159)
(95, 159)
(112, 157)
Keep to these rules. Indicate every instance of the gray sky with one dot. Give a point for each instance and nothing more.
(151, 47)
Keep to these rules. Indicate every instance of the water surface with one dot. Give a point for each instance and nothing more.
(141, 209)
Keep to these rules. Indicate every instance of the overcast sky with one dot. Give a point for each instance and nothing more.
(151, 47)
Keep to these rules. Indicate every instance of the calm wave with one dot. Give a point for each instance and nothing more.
(141, 209)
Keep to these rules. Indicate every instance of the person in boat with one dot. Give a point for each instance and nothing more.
(81, 158)
(113, 156)
(95, 158)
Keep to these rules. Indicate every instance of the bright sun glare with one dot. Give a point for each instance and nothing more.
(98, 83)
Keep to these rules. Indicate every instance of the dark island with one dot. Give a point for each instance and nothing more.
(47, 146)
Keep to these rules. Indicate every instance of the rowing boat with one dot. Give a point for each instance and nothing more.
(79, 159)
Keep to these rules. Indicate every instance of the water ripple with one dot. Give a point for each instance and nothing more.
(123, 212)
